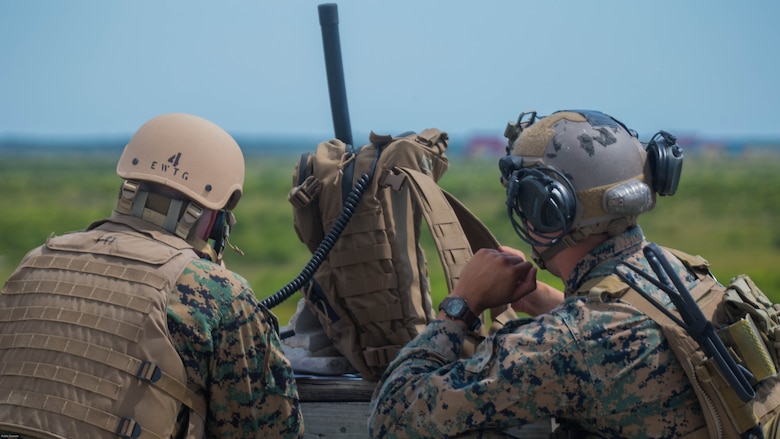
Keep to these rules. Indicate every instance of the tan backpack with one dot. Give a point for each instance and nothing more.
(745, 328)
(371, 292)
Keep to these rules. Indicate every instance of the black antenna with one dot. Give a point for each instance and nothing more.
(331, 45)
(329, 20)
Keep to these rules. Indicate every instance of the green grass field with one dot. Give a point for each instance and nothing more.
(726, 209)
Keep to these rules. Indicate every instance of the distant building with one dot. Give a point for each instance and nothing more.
(486, 146)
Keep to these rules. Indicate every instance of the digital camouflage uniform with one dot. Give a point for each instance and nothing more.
(231, 351)
(603, 366)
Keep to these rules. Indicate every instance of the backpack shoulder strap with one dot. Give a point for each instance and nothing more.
(457, 232)
(478, 234)
(451, 242)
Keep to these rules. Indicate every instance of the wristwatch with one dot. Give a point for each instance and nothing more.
(456, 308)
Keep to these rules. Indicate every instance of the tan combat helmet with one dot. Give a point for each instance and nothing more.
(572, 174)
(189, 154)
(194, 157)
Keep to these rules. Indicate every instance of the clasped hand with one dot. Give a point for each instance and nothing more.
(493, 278)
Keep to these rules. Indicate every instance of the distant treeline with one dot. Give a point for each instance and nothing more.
(279, 145)
(113, 145)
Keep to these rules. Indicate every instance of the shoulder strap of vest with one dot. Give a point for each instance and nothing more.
(696, 263)
(611, 285)
(139, 225)
(599, 287)
(457, 232)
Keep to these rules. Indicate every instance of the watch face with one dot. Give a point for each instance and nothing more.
(455, 308)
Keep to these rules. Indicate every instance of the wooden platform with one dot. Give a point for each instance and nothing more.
(337, 407)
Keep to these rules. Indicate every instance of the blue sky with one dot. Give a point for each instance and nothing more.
(95, 67)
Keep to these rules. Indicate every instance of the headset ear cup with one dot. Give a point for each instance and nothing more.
(655, 156)
(666, 159)
(547, 205)
(532, 199)
(566, 203)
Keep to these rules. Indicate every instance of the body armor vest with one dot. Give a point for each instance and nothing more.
(84, 343)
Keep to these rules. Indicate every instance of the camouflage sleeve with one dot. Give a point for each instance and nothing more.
(233, 354)
(428, 392)
(602, 366)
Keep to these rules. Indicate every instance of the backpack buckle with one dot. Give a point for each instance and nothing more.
(128, 428)
(396, 181)
(149, 372)
(303, 194)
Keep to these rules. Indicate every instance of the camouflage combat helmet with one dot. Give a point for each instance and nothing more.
(572, 174)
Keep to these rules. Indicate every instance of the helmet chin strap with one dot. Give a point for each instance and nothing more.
(147, 205)
(542, 258)
(537, 258)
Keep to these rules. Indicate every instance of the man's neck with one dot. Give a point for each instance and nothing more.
(562, 264)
